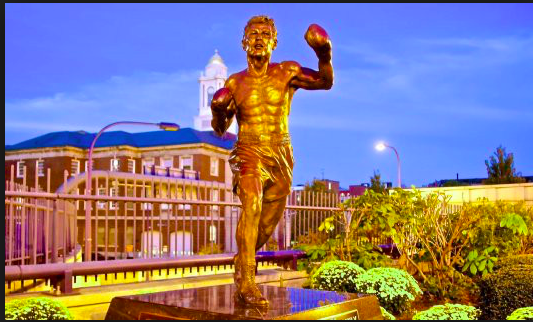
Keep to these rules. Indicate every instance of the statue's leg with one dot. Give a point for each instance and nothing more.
(251, 196)
(275, 195)
(271, 213)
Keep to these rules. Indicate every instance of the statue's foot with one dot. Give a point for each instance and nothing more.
(251, 296)
(247, 291)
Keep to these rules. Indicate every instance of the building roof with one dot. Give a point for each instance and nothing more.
(83, 140)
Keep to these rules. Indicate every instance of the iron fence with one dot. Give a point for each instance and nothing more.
(139, 216)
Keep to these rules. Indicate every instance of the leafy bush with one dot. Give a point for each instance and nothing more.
(368, 256)
(40, 308)
(525, 313)
(502, 230)
(336, 276)
(211, 248)
(386, 314)
(317, 248)
(432, 233)
(512, 261)
(448, 312)
(506, 290)
(480, 262)
(394, 288)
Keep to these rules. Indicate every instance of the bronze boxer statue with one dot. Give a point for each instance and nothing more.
(262, 161)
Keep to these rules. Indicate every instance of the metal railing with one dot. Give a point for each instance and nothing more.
(37, 230)
(139, 216)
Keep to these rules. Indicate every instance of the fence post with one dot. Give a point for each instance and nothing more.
(54, 232)
(65, 284)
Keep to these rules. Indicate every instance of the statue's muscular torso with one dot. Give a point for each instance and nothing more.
(263, 103)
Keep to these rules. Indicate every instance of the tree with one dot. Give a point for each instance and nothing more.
(375, 183)
(500, 168)
(316, 186)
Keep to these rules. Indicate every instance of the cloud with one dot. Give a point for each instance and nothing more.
(502, 44)
(428, 86)
(47, 127)
(366, 53)
(216, 30)
(171, 97)
(469, 54)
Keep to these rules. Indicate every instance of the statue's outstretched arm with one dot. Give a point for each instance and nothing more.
(306, 78)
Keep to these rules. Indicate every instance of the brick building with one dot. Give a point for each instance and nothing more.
(189, 163)
(186, 164)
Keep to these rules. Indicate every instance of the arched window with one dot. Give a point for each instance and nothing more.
(210, 93)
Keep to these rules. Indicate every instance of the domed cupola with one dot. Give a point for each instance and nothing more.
(211, 80)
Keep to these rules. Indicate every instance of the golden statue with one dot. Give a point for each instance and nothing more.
(262, 161)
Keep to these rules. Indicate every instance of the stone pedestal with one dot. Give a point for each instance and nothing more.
(218, 303)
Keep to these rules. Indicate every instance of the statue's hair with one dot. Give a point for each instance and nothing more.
(262, 19)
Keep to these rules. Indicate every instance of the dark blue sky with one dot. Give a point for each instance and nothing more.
(443, 83)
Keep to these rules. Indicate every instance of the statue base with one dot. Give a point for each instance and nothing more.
(218, 303)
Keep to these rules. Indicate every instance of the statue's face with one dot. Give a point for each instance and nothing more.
(259, 40)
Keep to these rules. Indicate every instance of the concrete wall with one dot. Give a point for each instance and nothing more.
(508, 192)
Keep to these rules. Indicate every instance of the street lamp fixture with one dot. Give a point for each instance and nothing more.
(168, 126)
(380, 147)
(88, 240)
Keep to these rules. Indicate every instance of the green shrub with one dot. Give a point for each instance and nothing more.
(210, 249)
(336, 276)
(386, 314)
(506, 290)
(40, 308)
(525, 313)
(514, 261)
(448, 312)
(394, 288)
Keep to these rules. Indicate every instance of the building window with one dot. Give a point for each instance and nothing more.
(210, 93)
(131, 166)
(147, 194)
(77, 201)
(101, 192)
(113, 192)
(74, 167)
(186, 162)
(115, 164)
(147, 165)
(214, 166)
(130, 193)
(40, 168)
(87, 165)
(110, 237)
(214, 195)
(212, 233)
(167, 162)
(20, 169)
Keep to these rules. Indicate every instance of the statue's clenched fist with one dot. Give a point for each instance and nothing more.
(222, 110)
(221, 101)
(319, 40)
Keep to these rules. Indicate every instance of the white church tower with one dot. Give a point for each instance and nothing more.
(210, 81)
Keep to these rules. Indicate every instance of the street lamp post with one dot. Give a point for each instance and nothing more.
(380, 147)
(88, 240)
